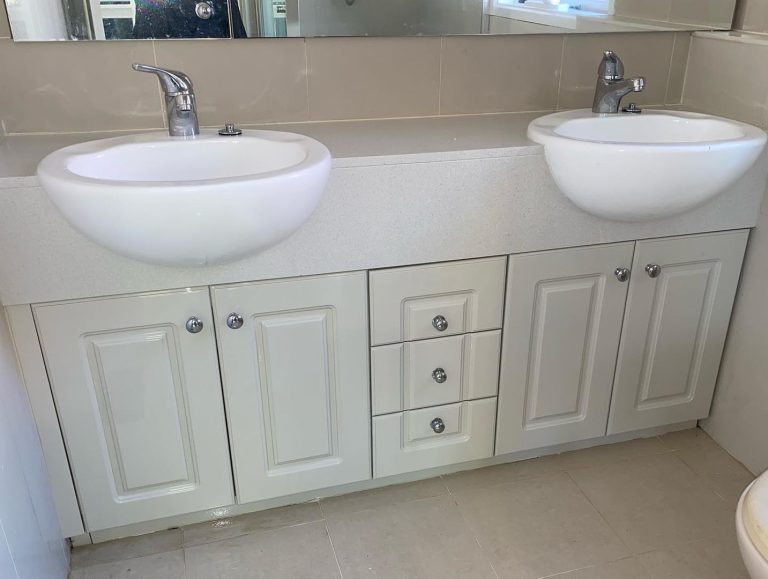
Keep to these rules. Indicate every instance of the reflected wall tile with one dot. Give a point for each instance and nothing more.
(242, 81)
(77, 86)
(647, 54)
(357, 78)
(752, 15)
(490, 74)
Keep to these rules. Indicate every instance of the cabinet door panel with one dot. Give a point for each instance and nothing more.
(563, 320)
(296, 383)
(140, 405)
(674, 330)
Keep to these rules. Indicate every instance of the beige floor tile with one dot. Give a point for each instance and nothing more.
(722, 473)
(390, 495)
(128, 548)
(500, 474)
(538, 527)
(419, 539)
(629, 568)
(160, 566)
(218, 530)
(607, 454)
(300, 552)
(708, 559)
(654, 502)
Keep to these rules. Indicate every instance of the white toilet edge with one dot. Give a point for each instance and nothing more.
(754, 561)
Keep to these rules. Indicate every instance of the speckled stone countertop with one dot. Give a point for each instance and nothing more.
(401, 192)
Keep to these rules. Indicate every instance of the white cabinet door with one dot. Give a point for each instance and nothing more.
(674, 329)
(561, 334)
(296, 383)
(140, 404)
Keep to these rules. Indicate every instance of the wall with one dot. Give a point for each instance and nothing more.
(704, 13)
(726, 76)
(65, 87)
(31, 546)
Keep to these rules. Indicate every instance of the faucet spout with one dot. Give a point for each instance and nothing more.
(179, 100)
(612, 87)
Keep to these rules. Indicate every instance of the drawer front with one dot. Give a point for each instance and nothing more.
(432, 372)
(414, 303)
(407, 442)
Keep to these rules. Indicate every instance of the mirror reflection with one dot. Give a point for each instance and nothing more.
(161, 19)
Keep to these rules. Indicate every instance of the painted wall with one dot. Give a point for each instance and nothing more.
(718, 81)
(31, 546)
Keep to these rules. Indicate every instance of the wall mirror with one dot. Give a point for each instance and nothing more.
(160, 19)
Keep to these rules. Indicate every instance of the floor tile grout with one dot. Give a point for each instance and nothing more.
(455, 500)
(333, 548)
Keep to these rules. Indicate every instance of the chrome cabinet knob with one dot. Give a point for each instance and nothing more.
(440, 323)
(235, 321)
(653, 270)
(204, 10)
(194, 325)
(439, 375)
(437, 425)
(621, 273)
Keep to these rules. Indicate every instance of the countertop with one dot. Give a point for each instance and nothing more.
(401, 192)
(352, 143)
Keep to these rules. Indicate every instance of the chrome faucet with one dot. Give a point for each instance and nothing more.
(179, 100)
(612, 86)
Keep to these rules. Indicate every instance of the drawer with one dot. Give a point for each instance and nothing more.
(407, 375)
(406, 441)
(407, 302)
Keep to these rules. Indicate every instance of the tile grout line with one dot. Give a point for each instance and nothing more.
(560, 76)
(469, 527)
(440, 79)
(602, 517)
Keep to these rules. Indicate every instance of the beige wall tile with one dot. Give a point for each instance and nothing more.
(244, 81)
(645, 54)
(5, 27)
(677, 68)
(74, 86)
(357, 78)
(489, 74)
(717, 80)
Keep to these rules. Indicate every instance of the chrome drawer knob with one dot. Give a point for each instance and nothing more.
(439, 375)
(194, 325)
(437, 425)
(621, 273)
(653, 270)
(235, 321)
(440, 323)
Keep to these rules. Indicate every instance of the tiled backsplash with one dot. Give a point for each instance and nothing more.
(89, 86)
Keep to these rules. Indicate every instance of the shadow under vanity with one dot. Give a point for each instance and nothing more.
(444, 308)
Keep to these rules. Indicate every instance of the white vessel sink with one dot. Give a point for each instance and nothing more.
(188, 201)
(639, 167)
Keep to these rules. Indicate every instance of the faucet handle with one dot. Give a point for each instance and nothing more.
(611, 67)
(174, 82)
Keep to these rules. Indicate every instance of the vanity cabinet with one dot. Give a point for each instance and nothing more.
(294, 365)
(675, 325)
(434, 398)
(562, 326)
(163, 397)
(591, 349)
(136, 385)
